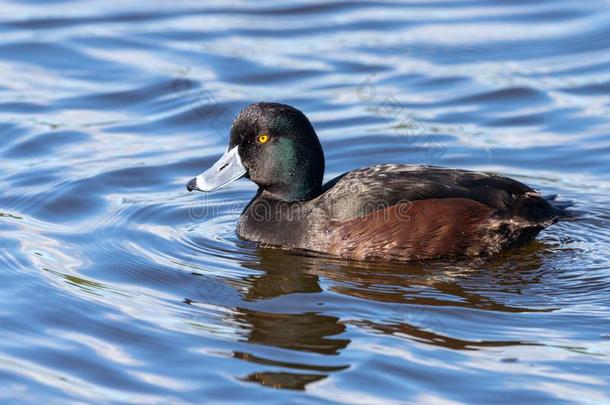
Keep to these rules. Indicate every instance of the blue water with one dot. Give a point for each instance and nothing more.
(118, 286)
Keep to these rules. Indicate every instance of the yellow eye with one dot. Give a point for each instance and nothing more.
(262, 138)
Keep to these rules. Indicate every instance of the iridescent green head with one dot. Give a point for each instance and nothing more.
(276, 147)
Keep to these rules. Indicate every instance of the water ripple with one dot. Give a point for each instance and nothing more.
(121, 287)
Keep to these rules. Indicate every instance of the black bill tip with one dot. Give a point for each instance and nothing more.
(192, 185)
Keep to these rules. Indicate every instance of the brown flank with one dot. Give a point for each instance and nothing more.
(417, 230)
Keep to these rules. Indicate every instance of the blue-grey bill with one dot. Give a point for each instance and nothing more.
(226, 170)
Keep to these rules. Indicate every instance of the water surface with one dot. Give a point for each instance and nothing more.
(121, 287)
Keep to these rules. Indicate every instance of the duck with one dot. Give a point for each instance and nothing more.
(387, 212)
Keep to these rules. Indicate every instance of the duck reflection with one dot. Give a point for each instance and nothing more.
(471, 284)
(283, 274)
(284, 380)
(306, 332)
(403, 293)
(309, 332)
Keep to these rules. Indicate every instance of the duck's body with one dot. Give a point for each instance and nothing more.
(403, 212)
(388, 212)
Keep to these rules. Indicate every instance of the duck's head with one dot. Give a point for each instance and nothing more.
(276, 147)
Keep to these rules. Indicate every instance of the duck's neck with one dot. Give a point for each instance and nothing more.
(297, 191)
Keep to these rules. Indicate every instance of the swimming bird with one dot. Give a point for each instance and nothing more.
(394, 212)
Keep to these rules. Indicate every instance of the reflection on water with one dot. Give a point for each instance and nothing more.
(118, 286)
(414, 302)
